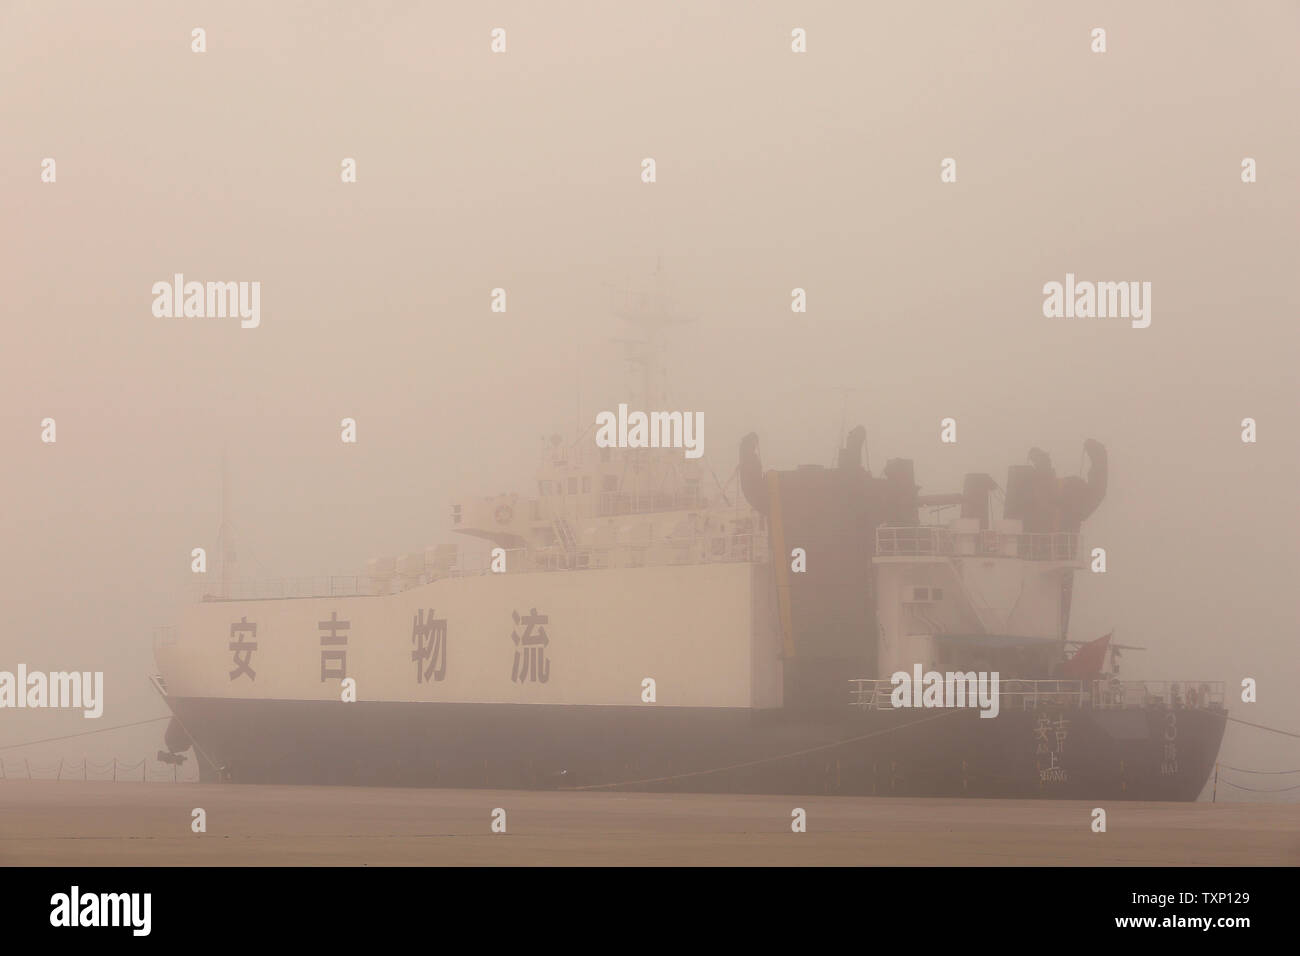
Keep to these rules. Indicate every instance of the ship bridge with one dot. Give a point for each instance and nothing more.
(961, 593)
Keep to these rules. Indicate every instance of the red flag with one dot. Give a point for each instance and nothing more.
(1088, 659)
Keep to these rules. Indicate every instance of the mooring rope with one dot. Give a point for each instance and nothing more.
(1257, 790)
(1244, 770)
(1238, 720)
(84, 733)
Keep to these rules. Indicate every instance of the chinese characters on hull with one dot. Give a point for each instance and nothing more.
(334, 663)
(1169, 761)
(530, 648)
(430, 639)
(243, 649)
(1049, 739)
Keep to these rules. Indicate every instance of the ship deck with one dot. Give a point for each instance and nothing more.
(123, 824)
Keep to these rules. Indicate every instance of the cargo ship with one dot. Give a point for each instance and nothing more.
(636, 623)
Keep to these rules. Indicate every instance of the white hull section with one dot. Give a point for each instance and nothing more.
(705, 634)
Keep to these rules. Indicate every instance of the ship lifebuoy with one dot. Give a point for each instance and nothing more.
(504, 513)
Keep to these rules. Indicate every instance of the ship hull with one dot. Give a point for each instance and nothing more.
(1148, 754)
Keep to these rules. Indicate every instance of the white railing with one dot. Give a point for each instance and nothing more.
(873, 694)
(1178, 695)
(930, 541)
(630, 503)
(703, 549)
(700, 549)
(608, 504)
(335, 585)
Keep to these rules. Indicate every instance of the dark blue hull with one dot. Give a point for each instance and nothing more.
(1150, 754)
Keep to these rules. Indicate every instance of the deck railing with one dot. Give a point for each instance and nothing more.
(699, 549)
(923, 541)
(873, 694)
(612, 503)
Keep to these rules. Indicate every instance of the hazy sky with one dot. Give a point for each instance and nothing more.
(775, 170)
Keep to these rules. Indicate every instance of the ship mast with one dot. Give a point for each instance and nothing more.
(653, 313)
